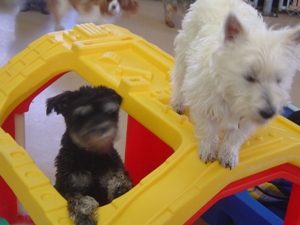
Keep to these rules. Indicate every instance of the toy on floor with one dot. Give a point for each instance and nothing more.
(91, 11)
(35, 5)
(174, 187)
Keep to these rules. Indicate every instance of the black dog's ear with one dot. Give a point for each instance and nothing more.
(58, 103)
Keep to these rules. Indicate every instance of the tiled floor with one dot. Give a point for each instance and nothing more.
(19, 29)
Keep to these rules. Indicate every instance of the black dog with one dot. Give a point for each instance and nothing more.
(89, 172)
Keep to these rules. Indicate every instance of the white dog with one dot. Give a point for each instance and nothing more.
(232, 72)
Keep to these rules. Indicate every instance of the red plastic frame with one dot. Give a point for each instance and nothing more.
(144, 151)
(8, 200)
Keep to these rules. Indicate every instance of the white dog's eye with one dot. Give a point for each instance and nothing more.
(250, 78)
(278, 80)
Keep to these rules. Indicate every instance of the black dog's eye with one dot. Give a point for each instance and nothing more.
(83, 110)
(104, 129)
(250, 78)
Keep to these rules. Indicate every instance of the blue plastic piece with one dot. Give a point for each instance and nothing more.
(240, 209)
(289, 109)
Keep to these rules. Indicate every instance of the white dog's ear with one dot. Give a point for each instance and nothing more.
(293, 42)
(233, 28)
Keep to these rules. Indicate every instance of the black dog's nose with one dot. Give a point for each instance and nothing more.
(113, 7)
(267, 113)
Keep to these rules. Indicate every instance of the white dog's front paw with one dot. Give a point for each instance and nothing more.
(206, 155)
(228, 159)
(178, 107)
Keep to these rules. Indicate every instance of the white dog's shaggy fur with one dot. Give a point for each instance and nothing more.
(232, 72)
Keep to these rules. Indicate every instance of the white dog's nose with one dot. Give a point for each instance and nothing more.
(267, 113)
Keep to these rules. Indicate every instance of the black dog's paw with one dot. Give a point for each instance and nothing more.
(82, 209)
(84, 220)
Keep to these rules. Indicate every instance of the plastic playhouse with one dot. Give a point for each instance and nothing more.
(172, 185)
